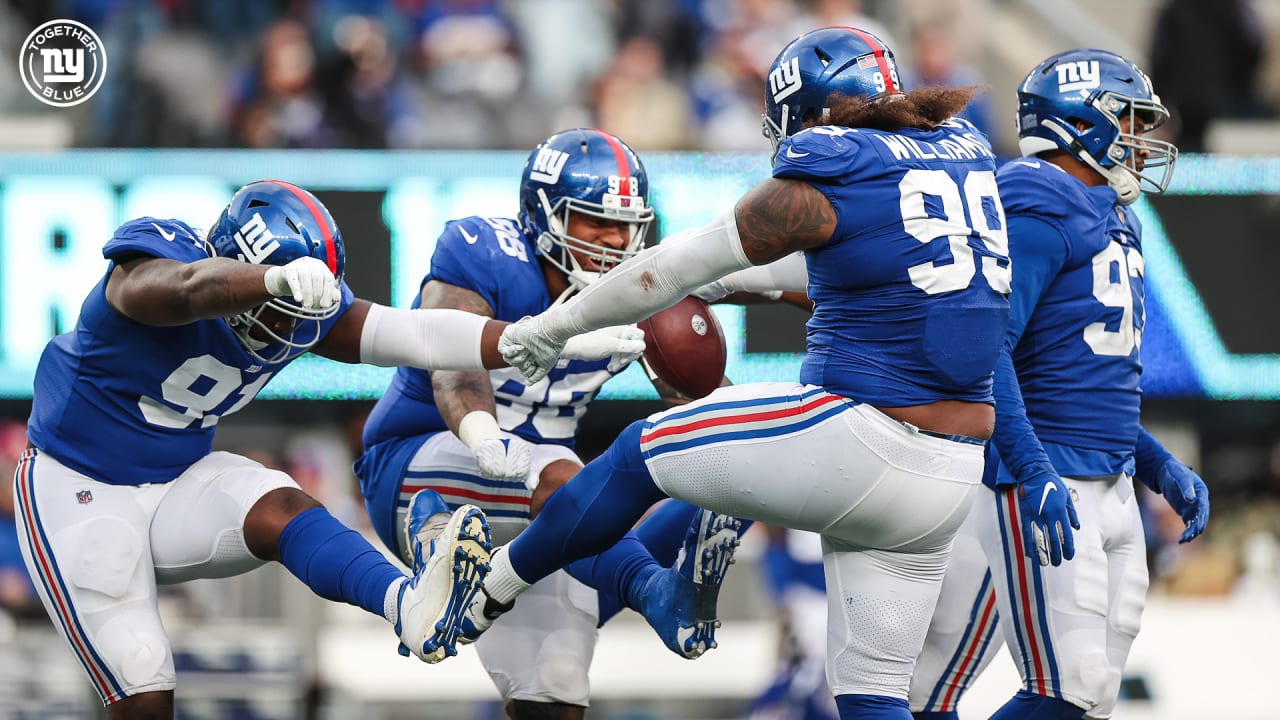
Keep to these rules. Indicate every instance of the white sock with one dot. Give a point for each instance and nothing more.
(502, 583)
(391, 603)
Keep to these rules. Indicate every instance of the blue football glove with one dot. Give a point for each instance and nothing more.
(1048, 517)
(1187, 494)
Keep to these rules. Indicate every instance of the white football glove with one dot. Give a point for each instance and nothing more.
(620, 343)
(307, 280)
(526, 347)
(500, 456)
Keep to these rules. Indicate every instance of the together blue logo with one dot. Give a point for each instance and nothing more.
(62, 63)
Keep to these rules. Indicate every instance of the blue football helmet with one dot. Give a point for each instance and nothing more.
(270, 222)
(1099, 90)
(819, 64)
(584, 171)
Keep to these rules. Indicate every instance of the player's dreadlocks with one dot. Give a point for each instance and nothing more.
(922, 108)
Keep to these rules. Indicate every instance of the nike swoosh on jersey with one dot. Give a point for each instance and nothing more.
(791, 153)
(166, 235)
(471, 239)
(1047, 489)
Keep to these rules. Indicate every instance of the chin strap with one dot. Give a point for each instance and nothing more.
(1119, 178)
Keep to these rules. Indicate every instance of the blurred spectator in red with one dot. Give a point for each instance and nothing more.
(17, 594)
(933, 50)
(1205, 58)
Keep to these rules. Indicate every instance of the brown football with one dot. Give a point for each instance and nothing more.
(685, 348)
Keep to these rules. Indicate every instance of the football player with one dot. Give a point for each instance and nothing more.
(879, 447)
(441, 440)
(120, 490)
(1068, 440)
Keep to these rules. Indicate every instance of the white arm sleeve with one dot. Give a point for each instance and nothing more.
(788, 273)
(651, 281)
(431, 339)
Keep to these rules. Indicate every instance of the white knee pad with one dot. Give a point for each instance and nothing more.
(139, 649)
(107, 552)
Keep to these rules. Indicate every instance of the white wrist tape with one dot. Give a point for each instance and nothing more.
(432, 339)
(478, 426)
(654, 279)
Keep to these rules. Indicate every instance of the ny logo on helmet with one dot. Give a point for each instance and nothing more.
(1078, 75)
(254, 241)
(785, 79)
(547, 165)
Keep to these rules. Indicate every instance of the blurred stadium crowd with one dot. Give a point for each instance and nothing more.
(671, 75)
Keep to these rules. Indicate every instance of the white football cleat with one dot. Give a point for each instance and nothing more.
(433, 600)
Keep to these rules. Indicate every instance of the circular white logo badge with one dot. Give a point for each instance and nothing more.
(62, 63)
(699, 324)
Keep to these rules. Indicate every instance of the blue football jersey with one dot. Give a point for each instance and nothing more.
(1076, 324)
(910, 295)
(127, 403)
(492, 257)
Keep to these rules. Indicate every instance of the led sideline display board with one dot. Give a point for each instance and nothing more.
(57, 210)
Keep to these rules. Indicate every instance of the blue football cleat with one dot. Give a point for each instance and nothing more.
(442, 588)
(428, 516)
(681, 601)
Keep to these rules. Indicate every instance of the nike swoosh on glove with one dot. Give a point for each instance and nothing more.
(1048, 517)
(1187, 494)
(505, 459)
(526, 347)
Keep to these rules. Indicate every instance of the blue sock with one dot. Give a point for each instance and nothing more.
(1029, 706)
(336, 562)
(590, 513)
(872, 707)
(922, 715)
(661, 535)
(613, 571)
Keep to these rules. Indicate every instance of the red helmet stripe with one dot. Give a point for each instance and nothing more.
(879, 49)
(322, 221)
(619, 154)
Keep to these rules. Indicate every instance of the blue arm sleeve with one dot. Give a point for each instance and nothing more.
(1037, 251)
(1149, 456)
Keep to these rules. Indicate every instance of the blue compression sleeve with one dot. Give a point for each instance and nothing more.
(1149, 456)
(1038, 254)
(1029, 706)
(659, 536)
(872, 707)
(335, 561)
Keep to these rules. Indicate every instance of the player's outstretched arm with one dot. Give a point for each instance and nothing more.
(161, 291)
(431, 339)
(1181, 487)
(775, 218)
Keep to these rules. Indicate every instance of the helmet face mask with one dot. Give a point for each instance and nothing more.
(590, 173)
(1097, 106)
(819, 65)
(274, 223)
